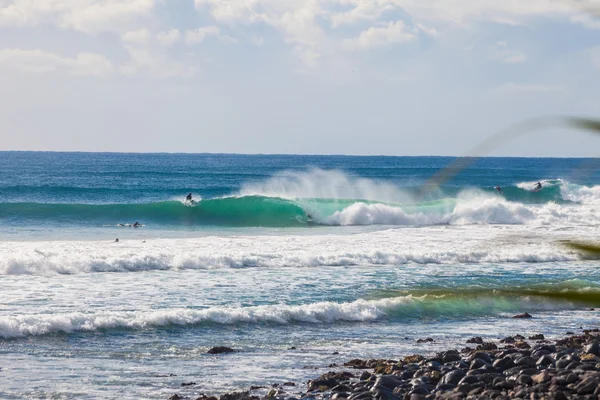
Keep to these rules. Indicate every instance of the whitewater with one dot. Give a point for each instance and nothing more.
(298, 262)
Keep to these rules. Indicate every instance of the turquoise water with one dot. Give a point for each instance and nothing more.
(354, 255)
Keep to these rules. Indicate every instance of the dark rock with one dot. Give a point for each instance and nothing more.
(335, 353)
(425, 340)
(525, 362)
(524, 380)
(487, 346)
(558, 395)
(573, 365)
(292, 348)
(387, 381)
(544, 361)
(470, 379)
(476, 340)
(176, 397)
(289, 384)
(453, 377)
(365, 376)
(238, 396)
(524, 315)
(477, 363)
(538, 336)
(504, 363)
(188, 384)
(481, 355)
(221, 350)
(587, 386)
(508, 340)
(339, 396)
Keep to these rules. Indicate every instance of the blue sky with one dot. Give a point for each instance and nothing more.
(397, 77)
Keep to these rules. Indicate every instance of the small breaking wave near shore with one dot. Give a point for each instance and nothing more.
(456, 303)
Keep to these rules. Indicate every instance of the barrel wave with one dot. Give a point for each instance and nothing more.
(373, 204)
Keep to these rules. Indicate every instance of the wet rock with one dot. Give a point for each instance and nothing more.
(365, 376)
(587, 386)
(522, 345)
(339, 396)
(544, 361)
(525, 362)
(427, 340)
(188, 384)
(387, 381)
(482, 356)
(538, 336)
(221, 350)
(238, 396)
(176, 397)
(476, 340)
(477, 363)
(524, 315)
(453, 377)
(503, 363)
(524, 380)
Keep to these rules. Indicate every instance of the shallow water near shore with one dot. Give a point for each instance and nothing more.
(320, 254)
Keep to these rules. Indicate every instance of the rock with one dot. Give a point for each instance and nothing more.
(524, 380)
(557, 395)
(524, 315)
(221, 350)
(453, 377)
(365, 376)
(592, 348)
(339, 396)
(388, 381)
(539, 336)
(188, 384)
(238, 396)
(503, 363)
(487, 346)
(289, 384)
(425, 340)
(587, 386)
(176, 397)
(525, 362)
(544, 361)
(476, 340)
(508, 340)
(542, 377)
(522, 345)
(481, 355)
(477, 363)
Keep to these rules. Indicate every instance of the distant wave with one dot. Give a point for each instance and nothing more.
(322, 197)
(455, 303)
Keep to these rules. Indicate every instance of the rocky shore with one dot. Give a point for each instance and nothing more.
(512, 368)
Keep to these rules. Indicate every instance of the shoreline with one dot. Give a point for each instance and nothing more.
(515, 367)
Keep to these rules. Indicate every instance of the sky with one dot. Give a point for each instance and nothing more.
(389, 77)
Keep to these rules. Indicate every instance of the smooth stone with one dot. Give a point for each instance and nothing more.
(542, 377)
(524, 315)
(526, 362)
(544, 360)
(503, 363)
(339, 396)
(587, 386)
(387, 381)
(453, 377)
(481, 355)
(524, 380)
(592, 348)
(470, 379)
(477, 363)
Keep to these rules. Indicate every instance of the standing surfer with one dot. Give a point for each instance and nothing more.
(537, 187)
(189, 198)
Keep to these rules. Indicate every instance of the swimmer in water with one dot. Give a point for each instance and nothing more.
(498, 189)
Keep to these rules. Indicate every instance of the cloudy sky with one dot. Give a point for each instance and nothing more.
(397, 77)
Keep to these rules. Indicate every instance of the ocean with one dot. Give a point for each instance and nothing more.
(298, 262)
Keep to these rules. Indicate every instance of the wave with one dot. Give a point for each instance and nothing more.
(394, 247)
(319, 197)
(455, 303)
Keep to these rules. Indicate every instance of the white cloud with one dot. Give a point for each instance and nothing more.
(88, 16)
(38, 61)
(136, 37)
(155, 65)
(392, 33)
(503, 53)
(196, 36)
(168, 38)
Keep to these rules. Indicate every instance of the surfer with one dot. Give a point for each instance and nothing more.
(537, 186)
(117, 240)
(136, 224)
(498, 189)
(189, 198)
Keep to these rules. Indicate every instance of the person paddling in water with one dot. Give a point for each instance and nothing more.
(537, 186)
(189, 198)
(498, 189)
